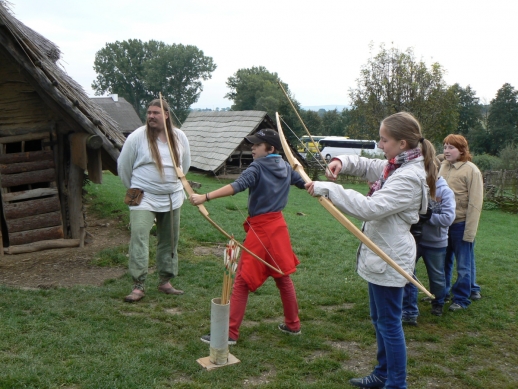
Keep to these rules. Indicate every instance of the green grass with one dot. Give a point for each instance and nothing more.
(87, 337)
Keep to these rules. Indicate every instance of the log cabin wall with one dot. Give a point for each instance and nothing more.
(33, 164)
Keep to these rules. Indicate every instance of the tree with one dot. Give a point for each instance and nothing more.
(138, 71)
(120, 69)
(177, 71)
(257, 88)
(469, 108)
(503, 119)
(394, 81)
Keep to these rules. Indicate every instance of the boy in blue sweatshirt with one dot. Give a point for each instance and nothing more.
(268, 179)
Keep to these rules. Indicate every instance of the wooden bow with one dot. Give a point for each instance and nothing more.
(187, 187)
(328, 205)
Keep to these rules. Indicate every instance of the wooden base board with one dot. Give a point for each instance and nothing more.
(207, 364)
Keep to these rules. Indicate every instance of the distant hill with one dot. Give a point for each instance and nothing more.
(339, 108)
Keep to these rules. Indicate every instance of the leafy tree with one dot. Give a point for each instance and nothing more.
(257, 88)
(138, 71)
(469, 107)
(313, 122)
(394, 81)
(333, 123)
(120, 69)
(503, 119)
(177, 71)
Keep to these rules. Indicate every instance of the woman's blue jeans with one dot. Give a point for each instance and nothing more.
(386, 308)
(466, 269)
(433, 258)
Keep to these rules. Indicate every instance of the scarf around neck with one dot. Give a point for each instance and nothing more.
(391, 167)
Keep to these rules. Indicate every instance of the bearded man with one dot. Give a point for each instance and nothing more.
(145, 163)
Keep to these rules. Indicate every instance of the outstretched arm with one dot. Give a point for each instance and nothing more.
(197, 199)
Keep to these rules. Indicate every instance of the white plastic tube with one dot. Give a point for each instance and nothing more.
(219, 318)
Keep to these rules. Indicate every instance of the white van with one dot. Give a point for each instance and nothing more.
(333, 146)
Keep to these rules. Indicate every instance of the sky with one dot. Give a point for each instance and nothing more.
(316, 47)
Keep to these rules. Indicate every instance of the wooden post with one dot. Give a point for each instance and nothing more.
(75, 196)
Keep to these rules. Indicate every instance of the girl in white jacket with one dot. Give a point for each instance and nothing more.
(399, 193)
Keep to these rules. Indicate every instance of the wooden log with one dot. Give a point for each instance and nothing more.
(60, 167)
(42, 245)
(21, 129)
(9, 180)
(30, 156)
(34, 222)
(14, 168)
(31, 208)
(29, 194)
(75, 200)
(94, 142)
(95, 166)
(25, 237)
(24, 137)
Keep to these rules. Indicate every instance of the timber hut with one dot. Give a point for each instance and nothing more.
(50, 134)
(121, 111)
(216, 139)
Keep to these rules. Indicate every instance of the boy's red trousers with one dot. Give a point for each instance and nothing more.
(267, 236)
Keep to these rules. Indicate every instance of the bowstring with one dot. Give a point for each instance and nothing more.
(304, 145)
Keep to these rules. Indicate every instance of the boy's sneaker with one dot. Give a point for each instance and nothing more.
(409, 320)
(284, 328)
(371, 381)
(206, 339)
(436, 310)
(455, 307)
(475, 296)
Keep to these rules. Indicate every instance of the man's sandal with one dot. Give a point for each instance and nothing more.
(168, 289)
(134, 296)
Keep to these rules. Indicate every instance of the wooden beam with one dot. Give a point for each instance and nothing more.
(46, 175)
(18, 129)
(31, 207)
(42, 245)
(14, 168)
(75, 200)
(29, 194)
(29, 156)
(51, 219)
(24, 137)
(25, 237)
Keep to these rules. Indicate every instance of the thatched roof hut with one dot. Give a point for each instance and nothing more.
(50, 133)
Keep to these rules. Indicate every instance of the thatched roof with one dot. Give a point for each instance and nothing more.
(121, 111)
(36, 57)
(214, 136)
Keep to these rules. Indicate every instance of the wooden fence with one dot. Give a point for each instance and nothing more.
(501, 183)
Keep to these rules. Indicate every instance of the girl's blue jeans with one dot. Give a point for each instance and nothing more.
(433, 258)
(386, 308)
(466, 270)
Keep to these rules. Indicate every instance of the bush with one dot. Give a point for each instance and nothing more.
(487, 162)
(509, 157)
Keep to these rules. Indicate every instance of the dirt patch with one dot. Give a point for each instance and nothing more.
(68, 266)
